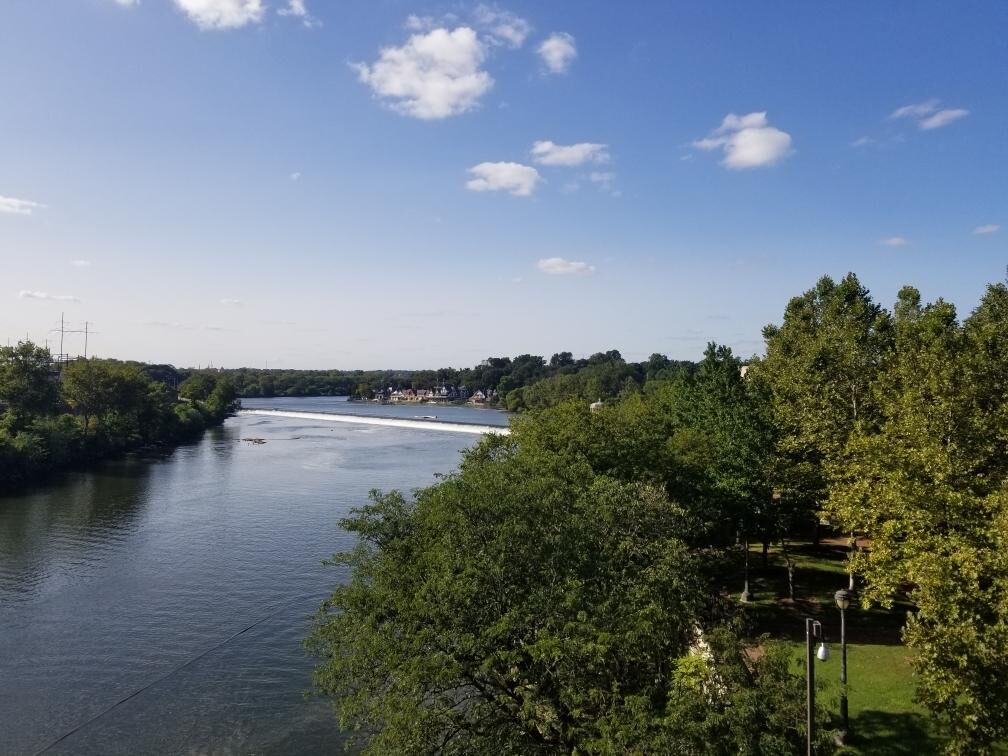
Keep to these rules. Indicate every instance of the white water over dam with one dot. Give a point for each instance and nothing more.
(395, 422)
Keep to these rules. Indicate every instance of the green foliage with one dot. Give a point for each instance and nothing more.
(27, 383)
(930, 485)
(113, 406)
(820, 366)
(527, 604)
(525, 381)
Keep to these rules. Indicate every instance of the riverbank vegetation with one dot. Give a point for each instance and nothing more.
(60, 415)
(571, 587)
(527, 381)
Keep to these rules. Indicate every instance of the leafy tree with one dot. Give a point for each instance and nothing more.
(522, 605)
(27, 385)
(198, 386)
(87, 389)
(931, 488)
(820, 366)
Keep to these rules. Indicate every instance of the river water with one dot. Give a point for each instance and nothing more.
(158, 605)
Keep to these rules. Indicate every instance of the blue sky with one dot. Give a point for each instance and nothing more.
(408, 184)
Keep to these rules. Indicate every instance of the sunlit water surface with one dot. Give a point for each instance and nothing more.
(158, 605)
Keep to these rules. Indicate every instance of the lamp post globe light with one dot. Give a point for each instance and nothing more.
(843, 600)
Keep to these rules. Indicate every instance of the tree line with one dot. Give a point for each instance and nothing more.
(56, 416)
(564, 590)
(524, 382)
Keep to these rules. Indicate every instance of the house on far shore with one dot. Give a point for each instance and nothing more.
(478, 398)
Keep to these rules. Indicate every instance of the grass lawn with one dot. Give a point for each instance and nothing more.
(884, 719)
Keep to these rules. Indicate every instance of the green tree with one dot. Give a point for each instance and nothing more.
(929, 486)
(27, 383)
(523, 605)
(820, 366)
(87, 389)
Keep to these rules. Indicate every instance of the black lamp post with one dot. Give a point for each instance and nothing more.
(813, 632)
(843, 600)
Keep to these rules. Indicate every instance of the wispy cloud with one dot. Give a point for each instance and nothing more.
(894, 241)
(127, 3)
(433, 75)
(81, 263)
(29, 294)
(862, 142)
(916, 110)
(748, 141)
(501, 26)
(558, 52)
(943, 118)
(297, 9)
(231, 302)
(222, 14)
(550, 153)
(15, 206)
(990, 228)
(295, 176)
(929, 114)
(514, 178)
(558, 266)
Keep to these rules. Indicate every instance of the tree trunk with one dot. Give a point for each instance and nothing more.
(766, 552)
(790, 568)
(853, 554)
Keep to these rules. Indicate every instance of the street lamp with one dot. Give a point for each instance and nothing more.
(843, 600)
(813, 632)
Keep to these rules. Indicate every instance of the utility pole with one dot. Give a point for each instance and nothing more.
(61, 336)
(85, 338)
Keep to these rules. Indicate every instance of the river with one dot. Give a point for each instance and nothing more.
(158, 605)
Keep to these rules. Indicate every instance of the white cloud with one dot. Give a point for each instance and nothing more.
(917, 110)
(943, 118)
(862, 142)
(433, 75)
(928, 115)
(81, 263)
(558, 266)
(127, 3)
(604, 181)
(297, 9)
(520, 180)
(231, 302)
(222, 14)
(501, 26)
(894, 241)
(419, 23)
(558, 51)
(295, 176)
(748, 141)
(14, 206)
(548, 153)
(27, 294)
(990, 228)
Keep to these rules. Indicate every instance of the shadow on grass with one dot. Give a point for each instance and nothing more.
(883, 732)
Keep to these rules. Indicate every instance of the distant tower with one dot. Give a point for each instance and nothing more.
(596, 406)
